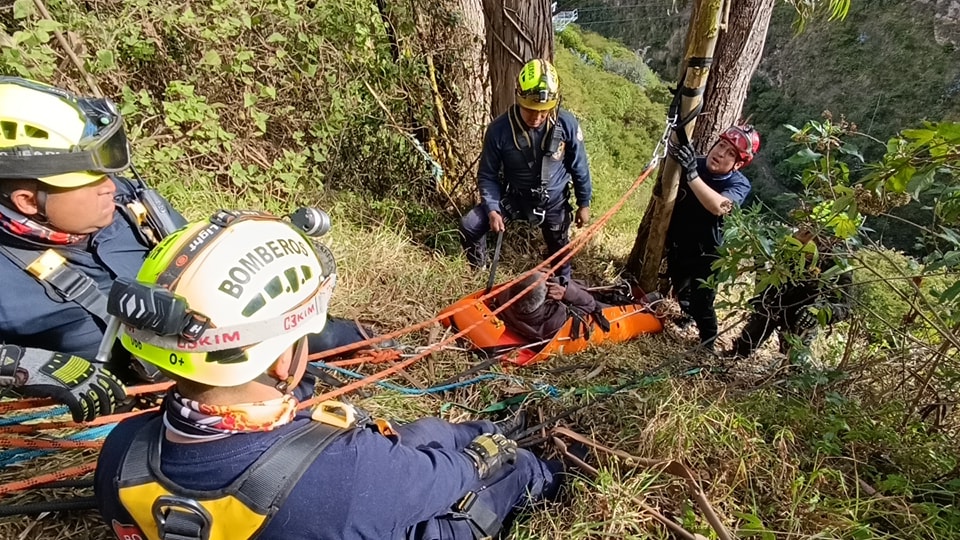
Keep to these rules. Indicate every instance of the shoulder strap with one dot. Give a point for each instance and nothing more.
(263, 487)
(555, 138)
(60, 281)
(520, 136)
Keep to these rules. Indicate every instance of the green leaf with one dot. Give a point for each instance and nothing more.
(105, 59)
(23, 9)
(249, 99)
(276, 37)
(46, 25)
(899, 181)
(920, 182)
(804, 157)
(951, 293)
(950, 131)
(921, 136)
(211, 58)
(851, 149)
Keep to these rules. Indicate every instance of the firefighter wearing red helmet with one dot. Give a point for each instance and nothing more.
(710, 186)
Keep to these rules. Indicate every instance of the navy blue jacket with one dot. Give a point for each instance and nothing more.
(363, 486)
(693, 229)
(502, 154)
(31, 318)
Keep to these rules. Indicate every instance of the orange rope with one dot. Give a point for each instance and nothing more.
(20, 404)
(100, 421)
(375, 357)
(43, 444)
(35, 403)
(63, 474)
(573, 247)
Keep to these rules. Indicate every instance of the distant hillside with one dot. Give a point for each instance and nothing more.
(891, 64)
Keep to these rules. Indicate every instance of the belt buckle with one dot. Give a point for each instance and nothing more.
(540, 214)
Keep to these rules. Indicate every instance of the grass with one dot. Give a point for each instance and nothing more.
(780, 456)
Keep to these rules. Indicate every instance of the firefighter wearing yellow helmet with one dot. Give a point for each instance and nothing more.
(69, 224)
(531, 156)
(225, 307)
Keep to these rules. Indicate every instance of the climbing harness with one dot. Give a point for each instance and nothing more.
(240, 510)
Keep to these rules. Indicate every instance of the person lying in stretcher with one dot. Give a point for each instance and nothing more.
(540, 313)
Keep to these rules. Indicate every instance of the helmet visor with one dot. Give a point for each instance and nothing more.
(741, 141)
(103, 146)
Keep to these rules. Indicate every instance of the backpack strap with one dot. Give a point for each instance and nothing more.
(184, 514)
(60, 281)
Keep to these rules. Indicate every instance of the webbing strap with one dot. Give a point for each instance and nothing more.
(263, 487)
(482, 519)
(64, 282)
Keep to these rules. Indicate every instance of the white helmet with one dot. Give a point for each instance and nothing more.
(218, 301)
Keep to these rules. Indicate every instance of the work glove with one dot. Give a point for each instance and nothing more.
(87, 389)
(490, 452)
(687, 159)
(805, 320)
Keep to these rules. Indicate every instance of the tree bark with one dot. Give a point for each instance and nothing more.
(737, 56)
(517, 31)
(647, 253)
(474, 85)
(458, 79)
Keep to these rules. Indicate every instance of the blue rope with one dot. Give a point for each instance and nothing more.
(415, 391)
(19, 419)
(11, 457)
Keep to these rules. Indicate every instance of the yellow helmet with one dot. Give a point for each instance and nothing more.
(538, 86)
(218, 301)
(60, 139)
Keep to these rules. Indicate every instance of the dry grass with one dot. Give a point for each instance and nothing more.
(754, 458)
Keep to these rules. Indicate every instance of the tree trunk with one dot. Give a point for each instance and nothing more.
(473, 84)
(738, 53)
(517, 31)
(451, 37)
(647, 253)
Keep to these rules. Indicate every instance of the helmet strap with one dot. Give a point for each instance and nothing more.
(41, 216)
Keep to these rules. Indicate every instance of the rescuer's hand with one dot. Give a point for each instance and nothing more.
(583, 216)
(490, 452)
(687, 159)
(496, 222)
(87, 389)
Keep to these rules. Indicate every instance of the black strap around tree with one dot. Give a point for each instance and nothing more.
(674, 109)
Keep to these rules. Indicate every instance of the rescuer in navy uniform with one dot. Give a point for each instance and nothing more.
(69, 226)
(530, 155)
(710, 186)
(231, 456)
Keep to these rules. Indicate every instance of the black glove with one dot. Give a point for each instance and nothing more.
(490, 452)
(804, 320)
(687, 159)
(87, 389)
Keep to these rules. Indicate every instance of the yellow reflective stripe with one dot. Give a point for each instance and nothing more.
(73, 371)
(232, 520)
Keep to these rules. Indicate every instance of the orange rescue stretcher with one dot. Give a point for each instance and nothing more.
(494, 338)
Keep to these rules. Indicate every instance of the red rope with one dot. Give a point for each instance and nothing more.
(45, 444)
(63, 474)
(573, 247)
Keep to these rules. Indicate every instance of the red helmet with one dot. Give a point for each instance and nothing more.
(745, 139)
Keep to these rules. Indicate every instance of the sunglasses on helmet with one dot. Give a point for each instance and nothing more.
(103, 146)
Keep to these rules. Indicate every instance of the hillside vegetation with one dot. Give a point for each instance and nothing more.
(275, 103)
